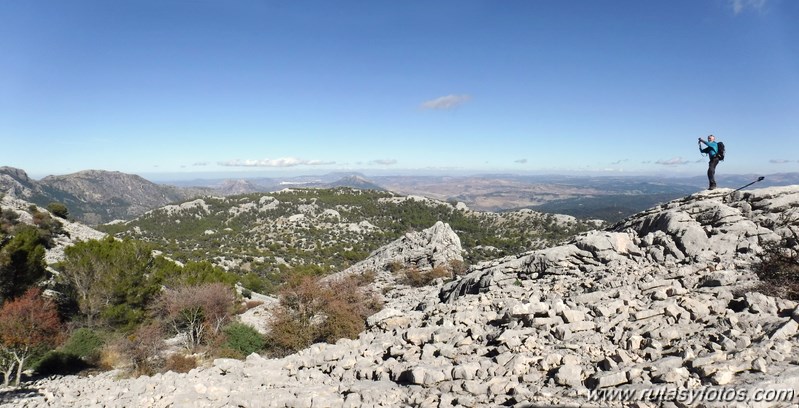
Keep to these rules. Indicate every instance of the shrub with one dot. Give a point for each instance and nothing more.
(458, 267)
(310, 312)
(59, 363)
(417, 278)
(142, 348)
(366, 278)
(21, 262)
(29, 325)
(110, 279)
(179, 363)
(112, 355)
(395, 266)
(58, 209)
(243, 338)
(255, 283)
(197, 311)
(778, 269)
(246, 293)
(84, 343)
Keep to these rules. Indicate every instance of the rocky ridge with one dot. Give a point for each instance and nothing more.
(660, 299)
(94, 196)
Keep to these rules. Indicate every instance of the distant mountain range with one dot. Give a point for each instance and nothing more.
(96, 196)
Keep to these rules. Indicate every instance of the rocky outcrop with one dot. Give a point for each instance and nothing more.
(426, 249)
(661, 299)
(437, 246)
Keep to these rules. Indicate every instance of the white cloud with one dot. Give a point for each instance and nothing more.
(446, 102)
(618, 162)
(520, 161)
(674, 161)
(200, 164)
(383, 162)
(738, 6)
(281, 162)
(779, 161)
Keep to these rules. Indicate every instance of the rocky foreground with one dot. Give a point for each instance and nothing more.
(661, 301)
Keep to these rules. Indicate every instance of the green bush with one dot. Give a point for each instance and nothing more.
(243, 338)
(84, 343)
(21, 262)
(59, 363)
(58, 209)
(255, 283)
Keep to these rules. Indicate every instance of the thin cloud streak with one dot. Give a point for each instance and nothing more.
(674, 161)
(446, 102)
(281, 162)
(383, 162)
(738, 6)
(521, 161)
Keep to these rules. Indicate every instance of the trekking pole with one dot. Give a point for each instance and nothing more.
(761, 178)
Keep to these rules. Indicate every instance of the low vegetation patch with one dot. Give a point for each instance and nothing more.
(180, 363)
(311, 311)
(243, 339)
(417, 277)
(778, 269)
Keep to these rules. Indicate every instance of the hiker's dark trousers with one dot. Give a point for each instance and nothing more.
(711, 172)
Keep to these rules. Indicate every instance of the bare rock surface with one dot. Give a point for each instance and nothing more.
(660, 299)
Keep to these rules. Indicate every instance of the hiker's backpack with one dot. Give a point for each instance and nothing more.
(720, 153)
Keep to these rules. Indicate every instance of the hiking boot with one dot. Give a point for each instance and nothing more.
(711, 188)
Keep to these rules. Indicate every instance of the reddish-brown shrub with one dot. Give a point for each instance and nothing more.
(143, 348)
(197, 311)
(310, 312)
(28, 324)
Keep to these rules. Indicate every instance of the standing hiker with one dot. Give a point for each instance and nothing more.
(712, 150)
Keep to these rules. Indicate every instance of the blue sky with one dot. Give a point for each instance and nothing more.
(201, 87)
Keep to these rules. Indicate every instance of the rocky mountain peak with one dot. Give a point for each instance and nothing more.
(15, 182)
(15, 173)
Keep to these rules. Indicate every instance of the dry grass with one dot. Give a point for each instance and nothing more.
(112, 356)
(418, 278)
(252, 303)
(180, 363)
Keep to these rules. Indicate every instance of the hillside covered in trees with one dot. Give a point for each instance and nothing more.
(326, 230)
